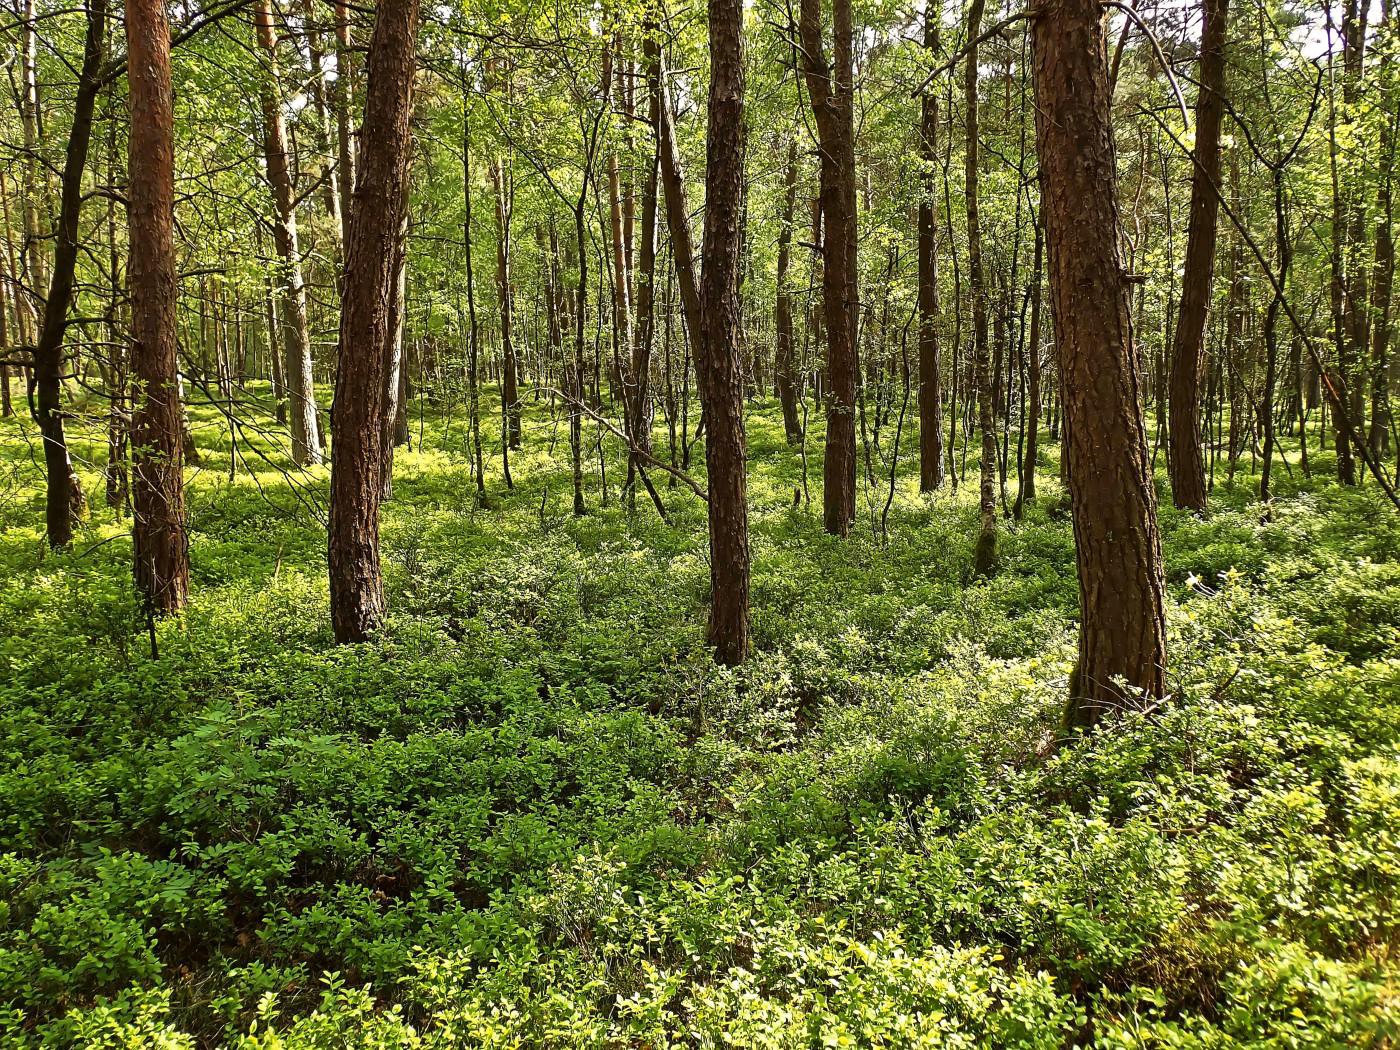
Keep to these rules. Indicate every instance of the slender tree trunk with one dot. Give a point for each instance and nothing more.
(1284, 253)
(1383, 278)
(118, 486)
(985, 557)
(34, 178)
(501, 183)
(640, 404)
(381, 190)
(718, 363)
(1355, 15)
(64, 500)
(1186, 462)
(831, 89)
(473, 328)
(580, 317)
(342, 101)
(1123, 626)
(1025, 492)
(296, 338)
(160, 548)
(7, 293)
(394, 412)
(324, 131)
(785, 363)
(930, 363)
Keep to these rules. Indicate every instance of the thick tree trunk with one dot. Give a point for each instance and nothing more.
(64, 499)
(296, 338)
(718, 362)
(1123, 628)
(1186, 462)
(160, 548)
(376, 214)
(930, 364)
(831, 89)
(985, 556)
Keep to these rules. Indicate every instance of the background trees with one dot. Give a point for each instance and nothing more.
(886, 279)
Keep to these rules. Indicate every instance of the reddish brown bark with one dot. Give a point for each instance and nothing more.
(1186, 463)
(930, 391)
(64, 497)
(1123, 630)
(718, 365)
(502, 183)
(985, 556)
(785, 354)
(160, 548)
(376, 213)
(296, 341)
(831, 89)
(639, 401)
(711, 309)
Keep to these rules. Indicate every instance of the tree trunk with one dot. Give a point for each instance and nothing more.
(985, 557)
(64, 500)
(930, 365)
(1185, 461)
(473, 328)
(785, 358)
(1025, 492)
(160, 548)
(640, 405)
(296, 339)
(501, 183)
(1283, 262)
(1383, 279)
(1123, 628)
(324, 132)
(719, 371)
(831, 89)
(376, 214)
(342, 100)
(393, 369)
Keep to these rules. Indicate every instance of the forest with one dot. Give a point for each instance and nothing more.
(755, 524)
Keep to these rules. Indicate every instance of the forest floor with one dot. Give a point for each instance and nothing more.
(533, 813)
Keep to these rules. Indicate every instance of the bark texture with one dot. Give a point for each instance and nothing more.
(160, 548)
(1186, 462)
(376, 214)
(930, 391)
(831, 89)
(718, 365)
(985, 557)
(1123, 629)
(785, 354)
(296, 339)
(64, 497)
